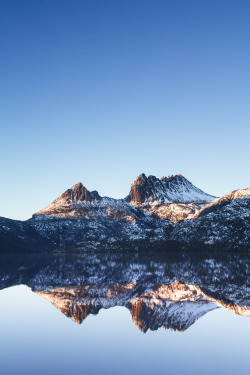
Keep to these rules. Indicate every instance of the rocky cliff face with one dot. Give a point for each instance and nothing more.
(174, 197)
(79, 203)
(177, 189)
(79, 193)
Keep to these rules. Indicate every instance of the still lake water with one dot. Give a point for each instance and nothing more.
(120, 314)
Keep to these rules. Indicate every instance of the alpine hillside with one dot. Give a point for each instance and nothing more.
(158, 213)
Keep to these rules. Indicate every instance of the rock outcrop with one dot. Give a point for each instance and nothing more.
(173, 197)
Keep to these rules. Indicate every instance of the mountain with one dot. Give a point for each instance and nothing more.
(225, 223)
(174, 197)
(225, 200)
(167, 213)
(177, 189)
(46, 233)
(80, 217)
(21, 236)
(79, 203)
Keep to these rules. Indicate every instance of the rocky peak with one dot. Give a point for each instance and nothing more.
(139, 189)
(72, 202)
(78, 192)
(142, 177)
(174, 188)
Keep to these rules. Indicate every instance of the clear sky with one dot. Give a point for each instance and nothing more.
(101, 91)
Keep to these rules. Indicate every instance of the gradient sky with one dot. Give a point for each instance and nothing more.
(101, 91)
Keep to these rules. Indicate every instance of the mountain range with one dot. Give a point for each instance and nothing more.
(157, 213)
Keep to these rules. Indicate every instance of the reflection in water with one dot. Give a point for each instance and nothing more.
(160, 290)
(174, 306)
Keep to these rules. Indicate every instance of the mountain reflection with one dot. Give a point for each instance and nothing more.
(160, 290)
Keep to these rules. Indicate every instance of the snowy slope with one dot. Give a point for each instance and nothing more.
(225, 223)
(221, 202)
(170, 189)
(174, 197)
(79, 203)
(83, 218)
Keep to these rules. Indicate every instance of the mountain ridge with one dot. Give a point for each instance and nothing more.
(175, 188)
(147, 218)
(160, 197)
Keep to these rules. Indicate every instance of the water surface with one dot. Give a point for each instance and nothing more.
(113, 313)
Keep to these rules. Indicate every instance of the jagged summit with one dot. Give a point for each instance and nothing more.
(175, 188)
(72, 203)
(172, 197)
(69, 203)
(78, 203)
(78, 192)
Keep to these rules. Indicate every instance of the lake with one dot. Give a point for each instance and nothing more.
(126, 313)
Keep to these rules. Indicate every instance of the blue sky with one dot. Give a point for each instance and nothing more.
(101, 91)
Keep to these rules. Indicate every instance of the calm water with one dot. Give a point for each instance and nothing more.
(136, 314)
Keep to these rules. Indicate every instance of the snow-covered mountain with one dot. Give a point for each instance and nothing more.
(174, 197)
(221, 202)
(170, 212)
(223, 223)
(79, 203)
(177, 189)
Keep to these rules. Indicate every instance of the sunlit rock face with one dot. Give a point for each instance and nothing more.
(165, 190)
(79, 203)
(81, 216)
(173, 197)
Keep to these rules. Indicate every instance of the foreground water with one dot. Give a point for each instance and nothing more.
(112, 313)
